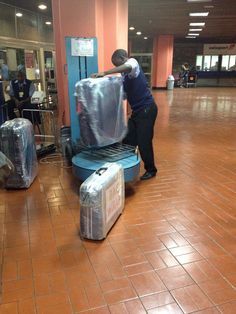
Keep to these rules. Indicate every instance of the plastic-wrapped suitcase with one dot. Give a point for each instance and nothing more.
(6, 169)
(18, 144)
(101, 111)
(101, 201)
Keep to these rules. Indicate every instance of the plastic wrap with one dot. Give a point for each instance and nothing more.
(101, 201)
(101, 111)
(17, 143)
(6, 169)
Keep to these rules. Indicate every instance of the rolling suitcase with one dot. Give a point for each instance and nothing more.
(101, 201)
(101, 111)
(18, 144)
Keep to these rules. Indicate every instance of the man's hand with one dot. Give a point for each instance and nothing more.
(97, 75)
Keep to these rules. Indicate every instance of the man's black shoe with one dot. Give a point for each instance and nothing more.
(148, 175)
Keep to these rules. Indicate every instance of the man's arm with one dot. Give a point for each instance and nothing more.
(124, 68)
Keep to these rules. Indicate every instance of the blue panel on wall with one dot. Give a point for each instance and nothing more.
(78, 68)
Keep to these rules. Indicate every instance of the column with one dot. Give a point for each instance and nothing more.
(105, 19)
(162, 60)
(42, 69)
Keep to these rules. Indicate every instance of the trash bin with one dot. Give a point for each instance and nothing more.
(170, 82)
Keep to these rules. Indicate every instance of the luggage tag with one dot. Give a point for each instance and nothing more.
(21, 94)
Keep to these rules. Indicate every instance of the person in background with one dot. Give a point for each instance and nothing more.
(10, 104)
(144, 110)
(184, 74)
(21, 91)
(21, 68)
(4, 71)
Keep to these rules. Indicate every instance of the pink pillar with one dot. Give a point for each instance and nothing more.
(130, 47)
(162, 60)
(107, 20)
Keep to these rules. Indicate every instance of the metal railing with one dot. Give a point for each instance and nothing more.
(44, 125)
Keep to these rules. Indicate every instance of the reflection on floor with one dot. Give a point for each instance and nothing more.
(172, 251)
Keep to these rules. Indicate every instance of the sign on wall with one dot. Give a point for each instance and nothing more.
(82, 47)
(29, 60)
(219, 49)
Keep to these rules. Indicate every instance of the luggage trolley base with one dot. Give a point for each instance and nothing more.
(87, 162)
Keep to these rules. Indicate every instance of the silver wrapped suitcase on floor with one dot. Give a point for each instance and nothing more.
(101, 201)
(101, 111)
(18, 144)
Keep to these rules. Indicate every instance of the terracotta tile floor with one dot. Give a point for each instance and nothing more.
(172, 251)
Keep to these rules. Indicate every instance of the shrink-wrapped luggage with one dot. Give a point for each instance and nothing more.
(101, 201)
(18, 144)
(101, 111)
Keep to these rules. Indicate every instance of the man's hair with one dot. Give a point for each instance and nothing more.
(120, 53)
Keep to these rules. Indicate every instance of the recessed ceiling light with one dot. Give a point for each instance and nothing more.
(18, 14)
(195, 29)
(199, 14)
(145, 37)
(42, 6)
(193, 34)
(139, 33)
(197, 24)
(199, 0)
(132, 28)
(48, 23)
(190, 36)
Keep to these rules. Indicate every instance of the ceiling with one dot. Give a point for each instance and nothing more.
(155, 17)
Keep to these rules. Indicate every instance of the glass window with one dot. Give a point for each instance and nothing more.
(11, 61)
(207, 63)
(27, 26)
(225, 63)
(214, 63)
(232, 63)
(4, 70)
(20, 57)
(199, 63)
(45, 31)
(7, 21)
